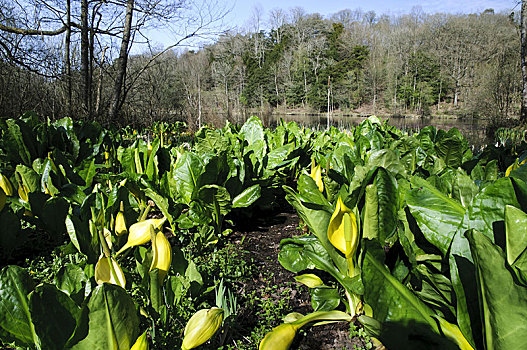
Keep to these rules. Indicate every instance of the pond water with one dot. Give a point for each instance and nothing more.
(472, 129)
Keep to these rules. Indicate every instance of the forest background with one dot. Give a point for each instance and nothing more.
(63, 58)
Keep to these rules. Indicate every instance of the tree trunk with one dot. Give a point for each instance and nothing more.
(67, 59)
(122, 62)
(85, 45)
(98, 100)
(199, 102)
(523, 29)
(329, 78)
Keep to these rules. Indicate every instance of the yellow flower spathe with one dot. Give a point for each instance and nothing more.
(104, 273)
(201, 327)
(342, 229)
(139, 233)
(23, 192)
(141, 343)
(162, 255)
(5, 184)
(316, 174)
(280, 338)
(120, 222)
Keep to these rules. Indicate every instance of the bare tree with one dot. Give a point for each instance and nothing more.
(523, 30)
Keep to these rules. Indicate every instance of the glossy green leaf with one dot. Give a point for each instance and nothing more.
(185, 174)
(18, 143)
(318, 221)
(371, 216)
(291, 255)
(516, 241)
(210, 141)
(277, 156)
(437, 215)
(503, 302)
(403, 320)
(247, 197)
(113, 323)
(324, 298)
(516, 238)
(15, 318)
(392, 301)
(387, 199)
(71, 279)
(450, 150)
(54, 315)
(488, 206)
(151, 170)
(311, 195)
(162, 203)
(252, 131)
(29, 177)
(464, 189)
(387, 159)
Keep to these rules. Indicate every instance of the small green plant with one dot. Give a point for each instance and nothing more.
(363, 337)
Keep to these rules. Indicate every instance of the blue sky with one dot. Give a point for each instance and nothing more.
(242, 10)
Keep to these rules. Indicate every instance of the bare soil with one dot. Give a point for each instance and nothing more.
(261, 241)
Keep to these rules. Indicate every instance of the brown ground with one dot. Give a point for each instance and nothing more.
(262, 243)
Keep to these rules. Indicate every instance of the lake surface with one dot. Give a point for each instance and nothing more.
(472, 129)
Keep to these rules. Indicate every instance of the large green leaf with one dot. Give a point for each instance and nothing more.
(516, 241)
(503, 302)
(437, 215)
(464, 189)
(29, 177)
(112, 319)
(324, 298)
(450, 149)
(291, 255)
(247, 197)
(54, 315)
(216, 198)
(71, 279)
(18, 143)
(252, 131)
(387, 159)
(488, 206)
(389, 298)
(311, 195)
(486, 215)
(185, 175)
(371, 213)
(387, 199)
(162, 204)
(15, 319)
(405, 321)
(210, 141)
(277, 156)
(151, 170)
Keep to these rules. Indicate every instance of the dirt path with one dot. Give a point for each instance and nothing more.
(262, 241)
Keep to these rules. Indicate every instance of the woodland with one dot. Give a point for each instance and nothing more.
(94, 60)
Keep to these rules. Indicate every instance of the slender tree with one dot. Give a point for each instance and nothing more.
(523, 30)
(122, 61)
